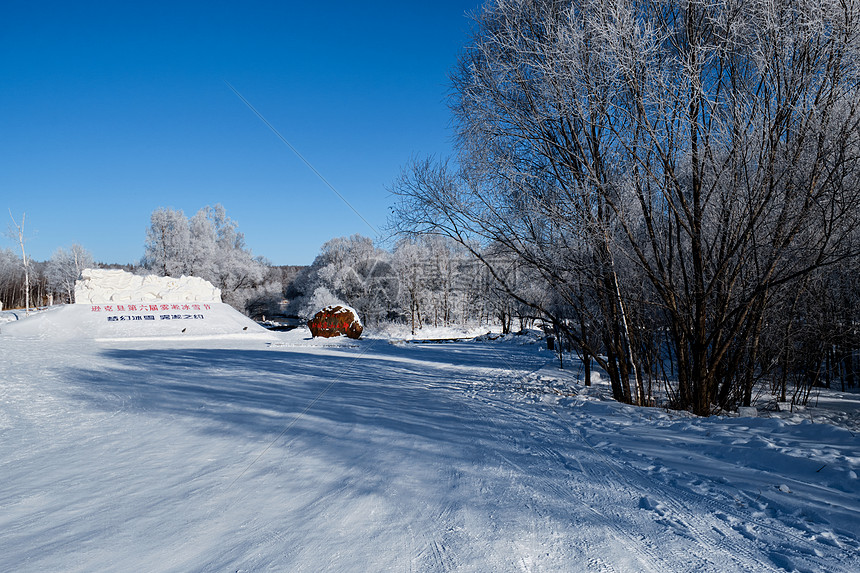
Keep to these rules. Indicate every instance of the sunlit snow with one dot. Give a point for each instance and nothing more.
(281, 453)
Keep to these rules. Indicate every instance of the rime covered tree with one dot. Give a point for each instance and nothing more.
(65, 267)
(16, 233)
(676, 166)
(11, 278)
(209, 246)
(348, 270)
(167, 250)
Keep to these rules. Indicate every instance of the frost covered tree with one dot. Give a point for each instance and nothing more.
(441, 284)
(209, 246)
(352, 271)
(167, 250)
(11, 278)
(219, 254)
(686, 162)
(16, 233)
(410, 263)
(450, 289)
(65, 267)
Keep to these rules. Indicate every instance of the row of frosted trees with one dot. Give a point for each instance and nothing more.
(681, 177)
(51, 281)
(422, 281)
(208, 245)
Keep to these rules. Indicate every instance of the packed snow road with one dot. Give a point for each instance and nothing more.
(368, 456)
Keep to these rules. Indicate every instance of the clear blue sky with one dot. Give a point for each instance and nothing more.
(109, 111)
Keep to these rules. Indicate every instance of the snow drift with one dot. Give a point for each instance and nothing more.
(99, 286)
(113, 305)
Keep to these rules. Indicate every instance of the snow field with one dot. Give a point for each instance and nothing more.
(304, 455)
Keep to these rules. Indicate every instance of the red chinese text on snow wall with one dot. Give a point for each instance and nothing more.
(335, 321)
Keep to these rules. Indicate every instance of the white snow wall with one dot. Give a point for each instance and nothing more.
(99, 286)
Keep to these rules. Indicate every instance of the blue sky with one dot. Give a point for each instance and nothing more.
(109, 111)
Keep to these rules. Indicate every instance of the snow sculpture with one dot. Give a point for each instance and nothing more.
(336, 321)
(99, 286)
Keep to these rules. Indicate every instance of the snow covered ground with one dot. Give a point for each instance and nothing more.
(286, 454)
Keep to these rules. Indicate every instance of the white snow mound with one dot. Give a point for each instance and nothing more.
(117, 305)
(100, 286)
(135, 321)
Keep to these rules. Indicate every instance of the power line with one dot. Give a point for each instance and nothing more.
(300, 156)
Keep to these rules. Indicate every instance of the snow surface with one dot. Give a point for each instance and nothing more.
(292, 454)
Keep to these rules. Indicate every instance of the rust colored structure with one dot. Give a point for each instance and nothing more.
(335, 321)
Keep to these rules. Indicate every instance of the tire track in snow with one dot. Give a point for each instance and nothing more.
(732, 539)
(642, 497)
(434, 554)
(729, 537)
(799, 553)
(688, 527)
(715, 533)
(722, 543)
(434, 550)
(642, 552)
(440, 547)
(634, 546)
(695, 528)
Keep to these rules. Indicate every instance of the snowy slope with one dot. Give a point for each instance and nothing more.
(240, 455)
(132, 321)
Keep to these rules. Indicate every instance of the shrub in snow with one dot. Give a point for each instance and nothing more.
(321, 298)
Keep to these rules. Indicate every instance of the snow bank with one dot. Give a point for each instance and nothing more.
(9, 316)
(117, 305)
(100, 286)
(133, 321)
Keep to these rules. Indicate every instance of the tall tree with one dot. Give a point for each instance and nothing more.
(167, 249)
(16, 232)
(694, 157)
(410, 262)
(65, 267)
(219, 254)
(11, 277)
(354, 271)
(209, 246)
